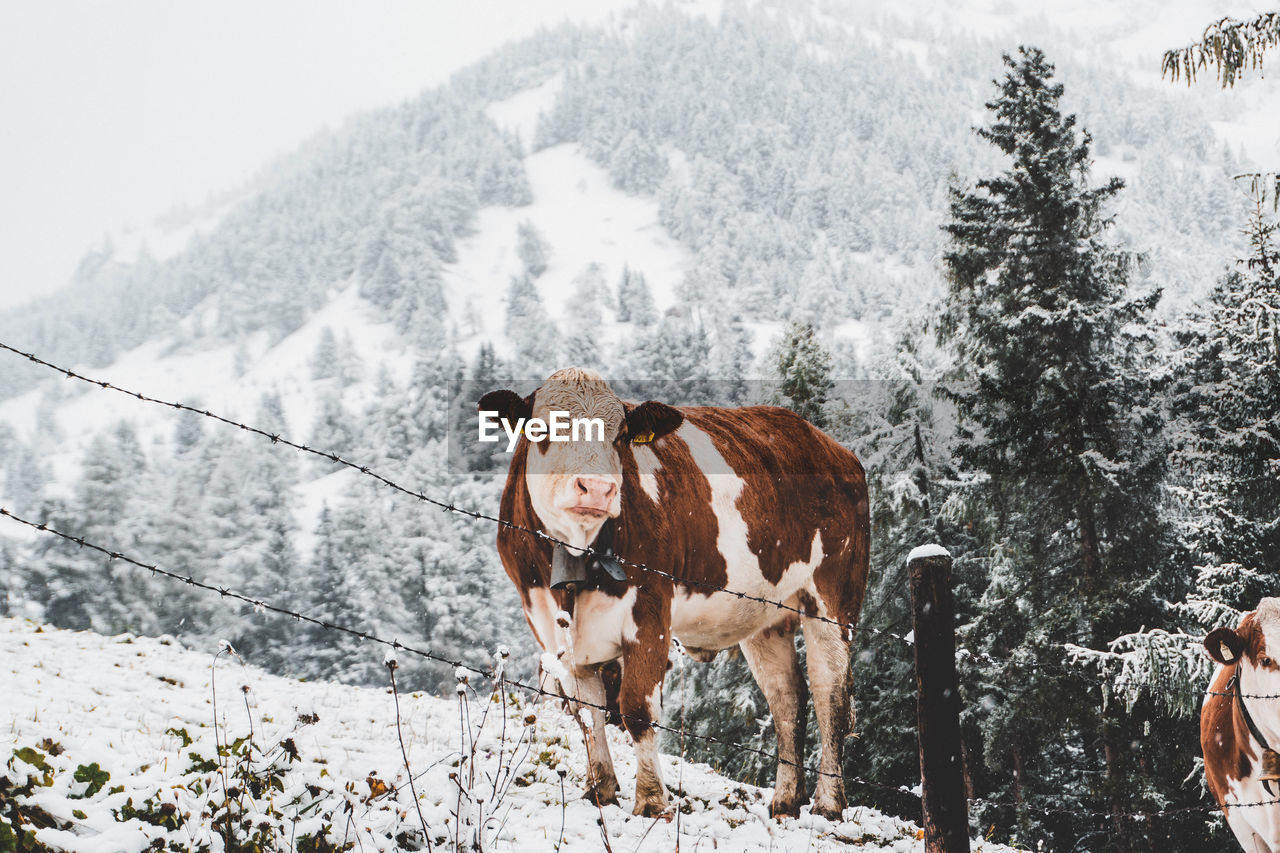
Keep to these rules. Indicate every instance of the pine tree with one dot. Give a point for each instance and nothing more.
(636, 165)
(635, 302)
(804, 374)
(1226, 399)
(250, 525)
(322, 596)
(173, 528)
(25, 475)
(484, 370)
(64, 579)
(429, 394)
(324, 359)
(531, 249)
(390, 431)
(1059, 420)
(674, 359)
(529, 327)
(9, 601)
(732, 362)
(581, 344)
(331, 432)
(895, 425)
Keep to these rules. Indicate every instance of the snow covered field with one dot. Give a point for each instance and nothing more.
(131, 722)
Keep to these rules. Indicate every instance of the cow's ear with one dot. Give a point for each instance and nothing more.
(652, 420)
(1224, 645)
(509, 405)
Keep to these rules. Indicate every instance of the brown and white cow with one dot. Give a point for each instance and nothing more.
(755, 500)
(1237, 728)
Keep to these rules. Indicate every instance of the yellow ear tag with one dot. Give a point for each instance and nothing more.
(643, 438)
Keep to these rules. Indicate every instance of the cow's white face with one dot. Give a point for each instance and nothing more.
(1254, 647)
(575, 486)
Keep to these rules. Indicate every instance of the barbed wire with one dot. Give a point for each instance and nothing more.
(1157, 813)
(1232, 693)
(262, 604)
(501, 680)
(276, 438)
(335, 458)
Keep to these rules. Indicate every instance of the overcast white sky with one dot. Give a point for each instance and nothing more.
(113, 113)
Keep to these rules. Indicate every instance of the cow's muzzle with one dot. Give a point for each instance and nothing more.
(593, 496)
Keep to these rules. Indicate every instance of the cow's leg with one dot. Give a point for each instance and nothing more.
(587, 685)
(827, 653)
(644, 666)
(771, 654)
(651, 791)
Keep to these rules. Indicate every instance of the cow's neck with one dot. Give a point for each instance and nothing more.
(578, 537)
(1260, 731)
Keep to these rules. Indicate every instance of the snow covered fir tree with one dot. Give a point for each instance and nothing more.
(1054, 344)
(1062, 439)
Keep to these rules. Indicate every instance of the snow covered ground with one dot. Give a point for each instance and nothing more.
(117, 740)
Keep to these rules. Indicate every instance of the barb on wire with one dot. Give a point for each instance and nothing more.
(277, 438)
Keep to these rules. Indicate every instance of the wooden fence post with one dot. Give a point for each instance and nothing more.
(946, 811)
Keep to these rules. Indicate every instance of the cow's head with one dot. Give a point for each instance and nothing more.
(1253, 646)
(576, 485)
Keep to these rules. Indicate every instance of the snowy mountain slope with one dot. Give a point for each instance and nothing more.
(584, 220)
(784, 187)
(143, 711)
(212, 378)
(773, 204)
(594, 223)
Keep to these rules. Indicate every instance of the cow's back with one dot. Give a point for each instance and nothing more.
(801, 495)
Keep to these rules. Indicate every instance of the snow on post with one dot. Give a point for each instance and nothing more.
(920, 552)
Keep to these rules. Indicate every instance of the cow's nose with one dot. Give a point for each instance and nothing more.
(596, 490)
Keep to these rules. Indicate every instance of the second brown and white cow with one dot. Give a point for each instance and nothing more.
(1238, 726)
(753, 500)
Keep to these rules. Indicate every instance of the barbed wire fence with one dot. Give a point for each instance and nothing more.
(538, 690)
(396, 644)
(850, 628)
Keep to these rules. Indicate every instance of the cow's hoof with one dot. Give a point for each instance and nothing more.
(831, 810)
(602, 795)
(779, 808)
(652, 808)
